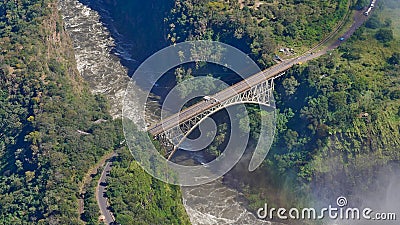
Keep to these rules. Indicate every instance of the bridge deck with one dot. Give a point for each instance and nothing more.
(221, 96)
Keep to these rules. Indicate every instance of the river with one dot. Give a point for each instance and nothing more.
(99, 50)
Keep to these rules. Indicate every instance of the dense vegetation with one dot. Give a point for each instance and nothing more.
(50, 132)
(52, 128)
(342, 118)
(256, 27)
(138, 198)
(91, 208)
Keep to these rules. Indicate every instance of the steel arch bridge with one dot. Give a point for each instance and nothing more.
(172, 131)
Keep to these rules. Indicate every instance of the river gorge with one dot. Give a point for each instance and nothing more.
(104, 58)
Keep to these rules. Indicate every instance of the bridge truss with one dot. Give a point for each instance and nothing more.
(172, 138)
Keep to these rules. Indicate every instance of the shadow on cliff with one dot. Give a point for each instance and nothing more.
(137, 27)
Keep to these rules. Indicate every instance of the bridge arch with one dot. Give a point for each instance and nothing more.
(261, 94)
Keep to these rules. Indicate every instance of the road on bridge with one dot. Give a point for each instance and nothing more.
(176, 119)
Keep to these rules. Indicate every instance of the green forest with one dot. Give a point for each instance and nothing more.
(256, 27)
(339, 117)
(138, 198)
(52, 128)
(49, 130)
